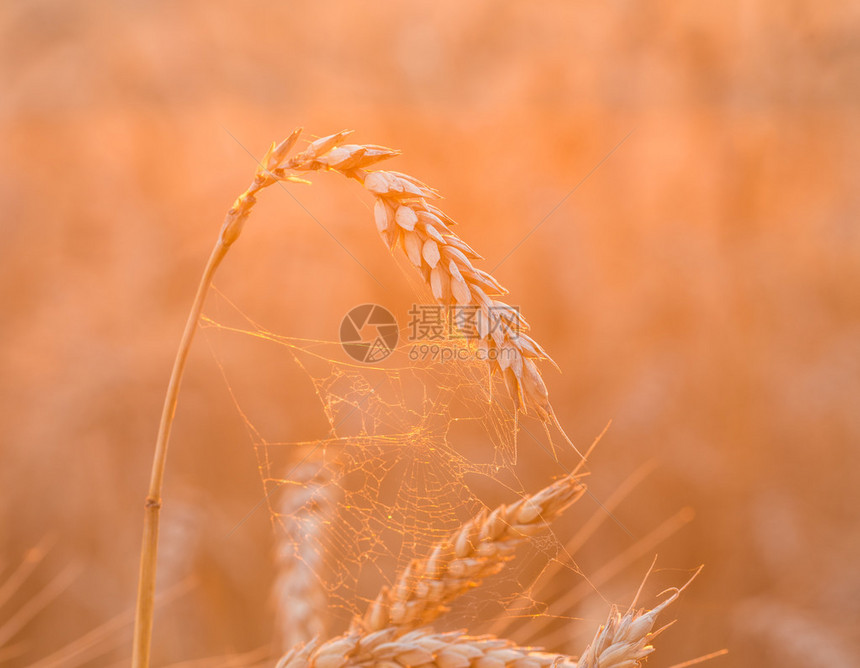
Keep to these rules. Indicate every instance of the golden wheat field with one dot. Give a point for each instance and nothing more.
(662, 197)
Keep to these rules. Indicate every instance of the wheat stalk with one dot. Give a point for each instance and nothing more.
(231, 229)
(459, 562)
(405, 218)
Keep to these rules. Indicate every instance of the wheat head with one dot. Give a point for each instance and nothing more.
(298, 594)
(625, 638)
(384, 649)
(456, 564)
(405, 218)
(623, 642)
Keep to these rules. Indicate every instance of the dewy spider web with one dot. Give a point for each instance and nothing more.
(407, 443)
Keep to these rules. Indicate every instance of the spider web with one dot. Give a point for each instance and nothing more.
(409, 447)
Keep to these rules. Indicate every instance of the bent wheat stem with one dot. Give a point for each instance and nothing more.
(230, 231)
(152, 505)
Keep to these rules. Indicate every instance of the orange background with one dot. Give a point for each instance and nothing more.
(699, 289)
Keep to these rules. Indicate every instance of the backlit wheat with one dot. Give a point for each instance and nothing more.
(386, 636)
(625, 639)
(622, 643)
(405, 218)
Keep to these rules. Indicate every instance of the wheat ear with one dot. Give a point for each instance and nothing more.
(405, 218)
(456, 564)
(622, 643)
(625, 639)
(385, 649)
(299, 596)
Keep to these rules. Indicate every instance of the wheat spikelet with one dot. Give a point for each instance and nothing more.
(621, 643)
(405, 218)
(624, 640)
(456, 564)
(300, 600)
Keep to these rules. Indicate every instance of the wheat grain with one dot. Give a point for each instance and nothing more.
(456, 564)
(405, 218)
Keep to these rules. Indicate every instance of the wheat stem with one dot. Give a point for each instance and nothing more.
(230, 231)
(152, 505)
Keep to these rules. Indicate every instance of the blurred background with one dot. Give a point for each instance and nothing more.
(683, 178)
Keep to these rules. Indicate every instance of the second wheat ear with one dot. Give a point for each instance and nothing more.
(478, 549)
